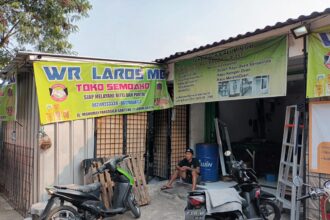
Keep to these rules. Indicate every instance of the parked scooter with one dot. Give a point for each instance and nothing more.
(315, 193)
(245, 200)
(200, 205)
(86, 199)
(258, 203)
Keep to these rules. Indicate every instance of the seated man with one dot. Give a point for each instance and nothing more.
(188, 169)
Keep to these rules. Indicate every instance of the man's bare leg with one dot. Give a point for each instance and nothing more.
(175, 175)
(194, 179)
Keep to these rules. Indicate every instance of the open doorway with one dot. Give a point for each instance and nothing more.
(257, 125)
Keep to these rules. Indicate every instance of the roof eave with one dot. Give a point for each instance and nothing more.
(268, 28)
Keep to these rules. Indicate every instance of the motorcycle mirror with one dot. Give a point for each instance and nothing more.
(298, 181)
(327, 184)
(227, 153)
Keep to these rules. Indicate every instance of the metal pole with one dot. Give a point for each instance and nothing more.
(188, 127)
(124, 134)
(95, 137)
(304, 148)
(169, 143)
(149, 160)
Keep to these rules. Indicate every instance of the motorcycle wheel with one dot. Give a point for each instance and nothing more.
(220, 218)
(133, 206)
(63, 213)
(269, 210)
(230, 216)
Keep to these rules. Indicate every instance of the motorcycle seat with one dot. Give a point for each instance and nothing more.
(113, 211)
(81, 188)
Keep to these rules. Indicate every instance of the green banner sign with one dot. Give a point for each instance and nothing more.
(8, 99)
(318, 67)
(252, 70)
(70, 91)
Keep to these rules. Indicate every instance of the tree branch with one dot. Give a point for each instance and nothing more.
(5, 38)
(13, 27)
(5, 2)
(12, 33)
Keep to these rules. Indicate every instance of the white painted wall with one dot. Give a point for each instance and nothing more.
(295, 46)
(72, 142)
(196, 124)
(170, 77)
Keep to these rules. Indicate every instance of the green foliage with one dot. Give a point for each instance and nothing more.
(42, 24)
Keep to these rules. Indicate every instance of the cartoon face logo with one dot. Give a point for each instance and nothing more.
(58, 92)
(10, 92)
(327, 60)
(325, 39)
(10, 110)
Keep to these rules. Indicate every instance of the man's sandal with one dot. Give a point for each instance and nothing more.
(166, 187)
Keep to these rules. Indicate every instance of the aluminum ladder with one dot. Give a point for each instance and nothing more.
(291, 163)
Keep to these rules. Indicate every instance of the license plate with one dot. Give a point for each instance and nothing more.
(195, 214)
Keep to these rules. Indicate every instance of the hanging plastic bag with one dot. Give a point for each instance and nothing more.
(44, 140)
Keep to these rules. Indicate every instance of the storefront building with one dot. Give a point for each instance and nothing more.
(43, 144)
(247, 82)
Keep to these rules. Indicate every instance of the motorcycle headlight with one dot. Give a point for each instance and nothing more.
(50, 191)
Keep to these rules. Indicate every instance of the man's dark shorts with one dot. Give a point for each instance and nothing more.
(188, 178)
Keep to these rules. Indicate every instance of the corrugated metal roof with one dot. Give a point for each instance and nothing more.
(78, 57)
(290, 21)
(22, 57)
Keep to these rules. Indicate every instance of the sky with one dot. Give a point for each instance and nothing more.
(145, 30)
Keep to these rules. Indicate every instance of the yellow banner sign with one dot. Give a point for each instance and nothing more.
(253, 70)
(71, 91)
(8, 99)
(318, 68)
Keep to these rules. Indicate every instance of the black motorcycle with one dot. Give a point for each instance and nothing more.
(247, 200)
(198, 209)
(85, 200)
(258, 203)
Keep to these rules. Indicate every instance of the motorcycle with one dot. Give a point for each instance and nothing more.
(316, 192)
(245, 200)
(200, 205)
(258, 203)
(85, 200)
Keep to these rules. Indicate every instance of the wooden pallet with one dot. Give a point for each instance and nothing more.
(140, 189)
(106, 184)
(134, 166)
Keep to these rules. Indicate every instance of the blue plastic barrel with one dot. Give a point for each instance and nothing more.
(208, 156)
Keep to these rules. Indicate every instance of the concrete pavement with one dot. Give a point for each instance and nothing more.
(165, 205)
(7, 212)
